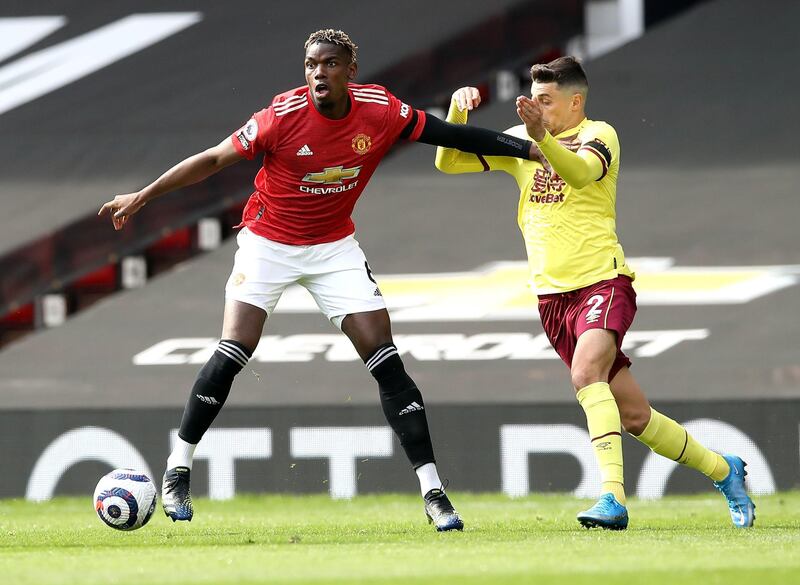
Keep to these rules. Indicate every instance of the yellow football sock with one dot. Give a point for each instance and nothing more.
(602, 418)
(666, 437)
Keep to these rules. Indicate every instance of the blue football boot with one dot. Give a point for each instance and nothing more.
(176, 497)
(440, 511)
(742, 508)
(607, 514)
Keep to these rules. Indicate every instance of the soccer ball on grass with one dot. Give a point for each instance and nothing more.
(125, 499)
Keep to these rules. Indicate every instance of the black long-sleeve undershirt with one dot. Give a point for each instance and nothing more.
(468, 138)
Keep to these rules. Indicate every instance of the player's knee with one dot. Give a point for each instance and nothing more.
(583, 376)
(634, 420)
(227, 361)
(369, 332)
(387, 368)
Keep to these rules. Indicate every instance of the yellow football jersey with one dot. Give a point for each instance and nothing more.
(570, 234)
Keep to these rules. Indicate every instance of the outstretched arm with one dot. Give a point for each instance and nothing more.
(578, 169)
(454, 161)
(476, 140)
(187, 172)
(454, 134)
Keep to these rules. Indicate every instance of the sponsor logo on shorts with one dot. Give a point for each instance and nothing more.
(361, 143)
(237, 279)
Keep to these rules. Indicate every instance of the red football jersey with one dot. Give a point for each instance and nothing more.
(315, 168)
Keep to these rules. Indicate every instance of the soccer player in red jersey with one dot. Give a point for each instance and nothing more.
(320, 145)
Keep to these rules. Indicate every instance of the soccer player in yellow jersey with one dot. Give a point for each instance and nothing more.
(584, 285)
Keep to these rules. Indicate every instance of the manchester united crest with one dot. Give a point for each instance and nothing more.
(362, 143)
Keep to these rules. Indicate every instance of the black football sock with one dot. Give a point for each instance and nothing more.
(211, 389)
(402, 404)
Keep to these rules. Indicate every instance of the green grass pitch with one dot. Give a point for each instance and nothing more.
(386, 539)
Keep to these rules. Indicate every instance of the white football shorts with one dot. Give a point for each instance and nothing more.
(335, 273)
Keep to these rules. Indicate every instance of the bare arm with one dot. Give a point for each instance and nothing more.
(187, 172)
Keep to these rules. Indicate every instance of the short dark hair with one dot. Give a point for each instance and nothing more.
(564, 71)
(333, 37)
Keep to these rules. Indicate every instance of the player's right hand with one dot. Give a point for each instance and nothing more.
(121, 208)
(467, 98)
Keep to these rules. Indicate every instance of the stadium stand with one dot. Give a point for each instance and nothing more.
(128, 120)
(671, 204)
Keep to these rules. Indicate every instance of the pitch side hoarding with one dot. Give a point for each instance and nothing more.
(347, 450)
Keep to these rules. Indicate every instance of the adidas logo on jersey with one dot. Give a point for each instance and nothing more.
(413, 407)
(208, 400)
(305, 151)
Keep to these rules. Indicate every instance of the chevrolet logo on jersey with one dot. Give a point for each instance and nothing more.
(332, 175)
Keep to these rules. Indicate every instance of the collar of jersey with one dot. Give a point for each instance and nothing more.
(571, 131)
(327, 120)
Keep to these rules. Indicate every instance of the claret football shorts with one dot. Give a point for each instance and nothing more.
(608, 304)
(335, 273)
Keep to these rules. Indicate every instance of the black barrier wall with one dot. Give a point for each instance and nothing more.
(344, 451)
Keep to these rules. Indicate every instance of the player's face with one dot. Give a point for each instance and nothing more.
(328, 70)
(559, 106)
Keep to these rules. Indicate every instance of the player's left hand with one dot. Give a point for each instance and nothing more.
(530, 112)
